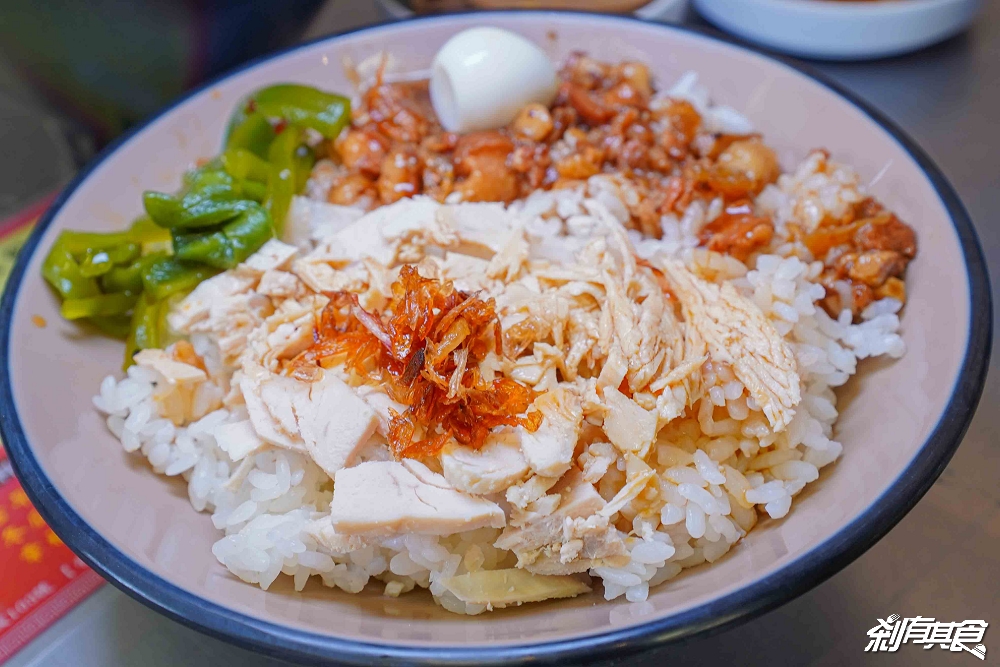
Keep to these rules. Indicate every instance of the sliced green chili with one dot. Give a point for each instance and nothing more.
(99, 262)
(62, 271)
(244, 165)
(144, 330)
(192, 211)
(305, 106)
(78, 243)
(303, 159)
(168, 276)
(250, 131)
(129, 278)
(123, 279)
(229, 245)
(254, 190)
(97, 306)
(149, 235)
(288, 165)
(116, 326)
(225, 211)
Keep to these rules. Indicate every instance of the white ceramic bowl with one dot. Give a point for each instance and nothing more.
(667, 11)
(832, 30)
(900, 421)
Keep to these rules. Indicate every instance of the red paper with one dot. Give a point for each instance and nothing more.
(40, 578)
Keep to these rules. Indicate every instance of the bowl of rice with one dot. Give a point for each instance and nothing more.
(645, 350)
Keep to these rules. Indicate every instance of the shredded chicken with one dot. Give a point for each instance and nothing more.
(539, 543)
(738, 333)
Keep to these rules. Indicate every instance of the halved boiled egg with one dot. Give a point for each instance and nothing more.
(482, 77)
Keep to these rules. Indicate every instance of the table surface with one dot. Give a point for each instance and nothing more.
(941, 561)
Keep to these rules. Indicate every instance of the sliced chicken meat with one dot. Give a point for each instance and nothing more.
(323, 532)
(374, 234)
(334, 422)
(382, 404)
(628, 426)
(272, 255)
(324, 418)
(269, 399)
(494, 467)
(175, 398)
(393, 497)
(467, 272)
(311, 221)
(279, 284)
(238, 439)
(549, 450)
(482, 229)
(175, 372)
(197, 305)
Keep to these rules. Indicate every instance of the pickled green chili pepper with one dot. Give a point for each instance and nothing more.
(291, 163)
(210, 182)
(303, 159)
(129, 278)
(144, 330)
(116, 326)
(123, 279)
(253, 190)
(229, 245)
(249, 130)
(192, 211)
(149, 235)
(221, 184)
(78, 243)
(97, 306)
(61, 270)
(243, 165)
(247, 233)
(124, 283)
(281, 184)
(212, 249)
(304, 106)
(212, 196)
(99, 262)
(168, 276)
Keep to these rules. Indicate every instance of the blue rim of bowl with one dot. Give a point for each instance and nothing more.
(795, 578)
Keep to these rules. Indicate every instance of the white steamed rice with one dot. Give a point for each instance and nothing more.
(262, 505)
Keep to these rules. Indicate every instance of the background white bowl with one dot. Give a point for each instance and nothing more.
(831, 30)
(669, 11)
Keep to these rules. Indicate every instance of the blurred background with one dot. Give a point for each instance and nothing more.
(75, 74)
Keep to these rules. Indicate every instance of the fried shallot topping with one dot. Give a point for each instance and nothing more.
(425, 350)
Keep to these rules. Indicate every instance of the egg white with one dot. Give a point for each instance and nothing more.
(482, 77)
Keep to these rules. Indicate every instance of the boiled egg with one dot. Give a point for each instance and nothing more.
(482, 77)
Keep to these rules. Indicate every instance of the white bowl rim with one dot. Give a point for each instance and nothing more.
(793, 579)
(831, 9)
